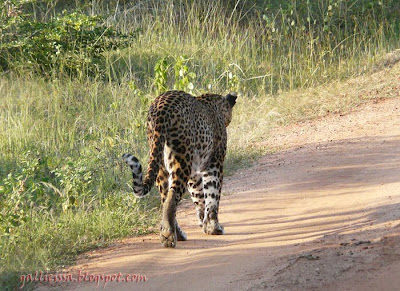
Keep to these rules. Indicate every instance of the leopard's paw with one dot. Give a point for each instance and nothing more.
(213, 227)
(168, 236)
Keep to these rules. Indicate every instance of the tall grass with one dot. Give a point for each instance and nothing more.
(63, 186)
(259, 51)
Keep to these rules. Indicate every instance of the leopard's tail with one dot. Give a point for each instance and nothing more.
(140, 187)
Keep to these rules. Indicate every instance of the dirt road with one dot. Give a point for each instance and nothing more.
(323, 213)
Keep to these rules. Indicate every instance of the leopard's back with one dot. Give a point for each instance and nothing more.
(193, 127)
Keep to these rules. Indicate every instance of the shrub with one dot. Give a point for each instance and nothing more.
(72, 43)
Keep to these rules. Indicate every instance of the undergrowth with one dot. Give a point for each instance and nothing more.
(78, 77)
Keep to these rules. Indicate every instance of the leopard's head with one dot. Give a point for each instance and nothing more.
(227, 105)
(224, 104)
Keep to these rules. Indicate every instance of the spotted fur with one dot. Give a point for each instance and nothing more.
(187, 138)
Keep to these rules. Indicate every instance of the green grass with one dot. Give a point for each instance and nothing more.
(49, 241)
(64, 188)
(67, 190)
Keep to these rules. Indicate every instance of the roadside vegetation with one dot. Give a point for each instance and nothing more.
(77, 77)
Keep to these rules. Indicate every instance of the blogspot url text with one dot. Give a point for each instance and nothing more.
(98, 279)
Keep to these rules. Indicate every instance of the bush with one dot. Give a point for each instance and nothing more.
(72, 43)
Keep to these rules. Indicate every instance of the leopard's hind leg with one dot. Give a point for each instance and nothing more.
(177, 166)
(212, 184)
(195, 188)
(162, 184)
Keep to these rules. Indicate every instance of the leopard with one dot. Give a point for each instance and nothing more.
(187, 137)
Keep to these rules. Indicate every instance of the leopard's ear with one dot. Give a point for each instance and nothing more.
(231, 97)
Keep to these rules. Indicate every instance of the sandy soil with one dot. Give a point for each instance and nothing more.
(321, 213)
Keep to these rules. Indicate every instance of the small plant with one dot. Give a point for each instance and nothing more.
(160, 75)
(75, 179)
(183, 78)
(22, 190)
